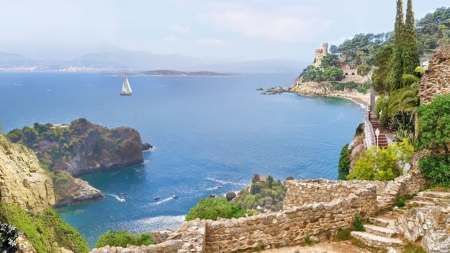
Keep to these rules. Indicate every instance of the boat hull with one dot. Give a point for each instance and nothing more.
(126, 94)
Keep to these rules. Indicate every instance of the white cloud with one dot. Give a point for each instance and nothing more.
(210, 42)
(293, 24)
(179, 29)
(170, 38)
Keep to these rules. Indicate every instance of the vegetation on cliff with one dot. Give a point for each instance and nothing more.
(344, 163)
(382, 164)
(122, 238)
(212, 208)
(262, 194)
(46, 231)
(434, 135)
(95, 146)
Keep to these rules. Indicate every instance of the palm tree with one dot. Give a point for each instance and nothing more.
(406, 100)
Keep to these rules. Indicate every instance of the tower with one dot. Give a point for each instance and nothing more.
(324, 49)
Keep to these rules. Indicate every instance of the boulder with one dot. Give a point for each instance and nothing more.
(230, 196)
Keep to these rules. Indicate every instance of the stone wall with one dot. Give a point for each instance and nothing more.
(289, 227)
(436, 80)
(300, 192)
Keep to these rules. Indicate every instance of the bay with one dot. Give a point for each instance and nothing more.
(211, 134)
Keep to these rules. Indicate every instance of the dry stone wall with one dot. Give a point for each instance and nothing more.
(436, 80)
(289, 227)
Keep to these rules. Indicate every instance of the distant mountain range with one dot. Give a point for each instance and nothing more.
(135, 61)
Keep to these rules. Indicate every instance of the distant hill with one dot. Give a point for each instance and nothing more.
(135, 61)
(177, 73)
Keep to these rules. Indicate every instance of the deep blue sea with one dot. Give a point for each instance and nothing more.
(211, 135)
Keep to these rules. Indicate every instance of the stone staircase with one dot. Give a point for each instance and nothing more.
(430, 198)
(382, 140)
(381, 234)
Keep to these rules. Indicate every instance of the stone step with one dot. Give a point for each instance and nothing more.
(376, 241)
(434, 200)
(439, 195)
(381, 231)
(413, 202)
(383, 222)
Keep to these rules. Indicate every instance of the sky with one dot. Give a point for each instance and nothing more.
(228, 30)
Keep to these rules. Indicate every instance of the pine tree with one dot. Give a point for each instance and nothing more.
(410, 54)
(397, 62)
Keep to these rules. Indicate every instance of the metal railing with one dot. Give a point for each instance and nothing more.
(368, 132)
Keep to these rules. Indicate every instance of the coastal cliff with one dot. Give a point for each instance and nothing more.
(82, 147)
(23, 181)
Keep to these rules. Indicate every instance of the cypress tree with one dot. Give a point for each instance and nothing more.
(397, 62)
(410, 54)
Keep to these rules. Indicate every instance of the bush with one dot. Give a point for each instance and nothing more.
(211, 208)
(343, 234)
(344, 163)
(400, 202)
(436, 169)
(8, 235)
(122, 238)
(357, 224)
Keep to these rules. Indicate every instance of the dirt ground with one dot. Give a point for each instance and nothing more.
(323, 247)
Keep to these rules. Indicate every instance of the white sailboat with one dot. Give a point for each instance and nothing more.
(126, 89)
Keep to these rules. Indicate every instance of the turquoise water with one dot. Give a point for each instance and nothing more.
(211, 135)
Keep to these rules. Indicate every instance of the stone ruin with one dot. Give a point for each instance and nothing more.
(436, 80)
(312, 207)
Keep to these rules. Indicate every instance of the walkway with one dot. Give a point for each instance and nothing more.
(382, 140)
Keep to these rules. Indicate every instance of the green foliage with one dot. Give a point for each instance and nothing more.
(211, 208)
(436, 168)
(308, 240)
(330, 60)
(397, 60)
(434, 131)
(357, 223)
(410, 51)
(314, 74)
(382, 105)
(409, 79)
(8, 235)
(382, 164)
(381, 77)
(122, 238)
(400, 202)
(269, 194)
(343, 234)
(46, 231)
(360, 87)
(433, 30)
(419, 71)
(405, 134)
(344, 163)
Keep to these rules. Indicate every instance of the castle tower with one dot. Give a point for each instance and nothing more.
(318, 58)
(324, 49)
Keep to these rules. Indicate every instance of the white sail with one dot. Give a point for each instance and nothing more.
(126, 88)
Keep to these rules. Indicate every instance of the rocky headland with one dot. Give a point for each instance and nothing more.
(326, 89)
(67, 151)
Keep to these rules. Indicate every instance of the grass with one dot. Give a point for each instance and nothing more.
(308, 240)
(412, 248)
(440, 189)
(343, 234)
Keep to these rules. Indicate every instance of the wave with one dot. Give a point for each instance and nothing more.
(159, 202)
(152, 223)
(17, 84)
(225, 182)
(117, 197)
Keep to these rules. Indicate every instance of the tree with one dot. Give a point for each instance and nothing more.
(381, 77)
(330, 60)
(344, 163)
(410, 52)
(397, 61)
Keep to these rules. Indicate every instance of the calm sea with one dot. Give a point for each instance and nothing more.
(211, 135)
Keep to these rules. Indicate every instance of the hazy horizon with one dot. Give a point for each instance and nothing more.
(221, 30)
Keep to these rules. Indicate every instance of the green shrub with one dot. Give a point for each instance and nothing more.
(308, 240)
(211, 208)
(412, 248)
(343, 234)
(357, 224)
(436, 168)
(344, 163)
(400, 202)
(122, 238)
(8, 235)
(46, 231)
